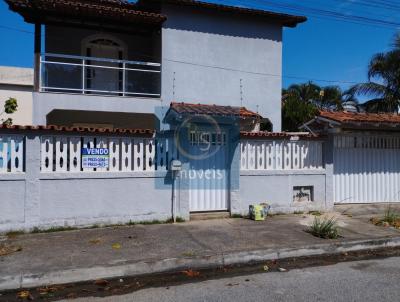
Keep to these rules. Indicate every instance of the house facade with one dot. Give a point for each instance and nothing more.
(115, 64)
(154, 110)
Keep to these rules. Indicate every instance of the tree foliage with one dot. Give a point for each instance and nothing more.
(296, 112)
(383, 81)
(301, 103)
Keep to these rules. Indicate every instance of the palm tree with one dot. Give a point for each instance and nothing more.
(306, 92)
(327, 98)
(383, 81)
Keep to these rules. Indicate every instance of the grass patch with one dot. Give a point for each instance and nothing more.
(180, 219)
(13, 234)
(188, 254)
(315, 213)
(390, 218)
(148, 222)
(324, 228)
(37, 230)
(236, 216)
(298, 212)
(177, 219)
(156, 221)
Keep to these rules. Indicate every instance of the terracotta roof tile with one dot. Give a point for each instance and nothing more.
(351, 117)
(140, 132)
(116, 10)
(278, 135)
(216, 110)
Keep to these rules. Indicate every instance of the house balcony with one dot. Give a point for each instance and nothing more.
(99, 76)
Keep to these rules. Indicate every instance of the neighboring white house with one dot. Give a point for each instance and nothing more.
(17, 82)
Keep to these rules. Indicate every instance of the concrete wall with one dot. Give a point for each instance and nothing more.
(205, 55)
(276, 189)
(45, 103)
(46, 199)
(36, 199)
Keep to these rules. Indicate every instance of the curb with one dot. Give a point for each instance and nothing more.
(26, 280)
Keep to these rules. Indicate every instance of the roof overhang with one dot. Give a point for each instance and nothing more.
(328, 121)
(100, 12)
(181, 111)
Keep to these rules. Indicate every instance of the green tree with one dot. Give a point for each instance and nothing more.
(10, 106)
(383, 81)
(301, 102)
(296, 112)
(324, 98)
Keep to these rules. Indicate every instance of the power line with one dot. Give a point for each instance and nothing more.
(325, 13)
(262, 73)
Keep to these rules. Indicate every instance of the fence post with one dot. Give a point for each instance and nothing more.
(32, 185)
(327, 160)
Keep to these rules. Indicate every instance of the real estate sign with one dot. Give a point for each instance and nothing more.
(95, 157)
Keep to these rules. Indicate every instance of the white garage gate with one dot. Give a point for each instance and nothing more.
(366, 168)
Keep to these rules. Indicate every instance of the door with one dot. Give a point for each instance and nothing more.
(109, 78)
(366, 169)
(208, 171)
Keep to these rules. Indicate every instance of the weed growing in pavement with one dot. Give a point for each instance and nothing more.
(315, 213)
(13, 234)
(390, 218)
(324, 228)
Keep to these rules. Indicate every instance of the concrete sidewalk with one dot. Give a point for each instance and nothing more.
(88, 254)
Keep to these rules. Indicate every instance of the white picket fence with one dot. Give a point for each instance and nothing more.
(280, 155)
(11, 154)
(126, 154)
(62, 153)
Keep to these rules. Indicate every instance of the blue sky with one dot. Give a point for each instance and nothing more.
(318, 49)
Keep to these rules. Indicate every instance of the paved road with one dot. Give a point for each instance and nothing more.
(374, 280)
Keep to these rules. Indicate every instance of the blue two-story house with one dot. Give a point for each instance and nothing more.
(112, 63)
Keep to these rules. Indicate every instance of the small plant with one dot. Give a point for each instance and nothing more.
(171, 220)
(180, 219)
(10, 106)
(390, 218)
(236, 216)
(188, 254)
(315, 213)
(324, 228)
(298, 212)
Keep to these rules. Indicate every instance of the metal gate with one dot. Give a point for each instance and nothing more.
(366, 169)
(208, 172)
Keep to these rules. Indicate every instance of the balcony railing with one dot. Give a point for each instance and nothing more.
(99, 76)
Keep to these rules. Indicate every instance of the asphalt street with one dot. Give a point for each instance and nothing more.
(372, 280)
